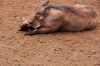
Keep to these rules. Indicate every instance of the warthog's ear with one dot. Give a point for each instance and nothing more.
(45, 3)
(47, 9)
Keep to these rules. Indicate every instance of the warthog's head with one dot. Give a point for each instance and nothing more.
(35, 19)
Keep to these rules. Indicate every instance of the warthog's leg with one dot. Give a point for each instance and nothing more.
(40, 30)
(31, 32)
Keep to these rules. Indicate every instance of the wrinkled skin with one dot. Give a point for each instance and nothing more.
(50, 18)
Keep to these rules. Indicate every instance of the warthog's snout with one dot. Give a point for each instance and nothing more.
(25, 28)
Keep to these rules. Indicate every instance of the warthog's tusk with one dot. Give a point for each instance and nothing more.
(25, 23)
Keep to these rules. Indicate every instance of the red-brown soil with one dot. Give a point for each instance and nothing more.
(55, 49)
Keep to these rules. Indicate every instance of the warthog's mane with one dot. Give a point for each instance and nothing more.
(73, 10)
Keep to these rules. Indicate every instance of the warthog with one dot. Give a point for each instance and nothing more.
(48, 18)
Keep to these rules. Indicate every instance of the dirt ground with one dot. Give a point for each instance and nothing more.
(55, 49)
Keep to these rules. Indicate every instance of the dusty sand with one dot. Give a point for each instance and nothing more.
(55, 49)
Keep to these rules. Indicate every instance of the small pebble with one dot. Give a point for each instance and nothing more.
(2, 36)
(48, 60)
(38, 40)
(66, 58)
(73, 49)
(58, 38)
(88, 56)
(50, 40)
(23, 7)
(98, 40)
(93, 51)
(14, 15)
(55, 49)
(18, 42)
(19, 65)
(15, 39)
(80, 50)
(15, 60)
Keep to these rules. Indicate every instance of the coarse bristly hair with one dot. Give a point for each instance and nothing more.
(73, 10)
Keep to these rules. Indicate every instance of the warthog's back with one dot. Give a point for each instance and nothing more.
(79, 18)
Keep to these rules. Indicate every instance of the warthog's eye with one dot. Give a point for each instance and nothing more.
(44, 11)
(39, 13)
